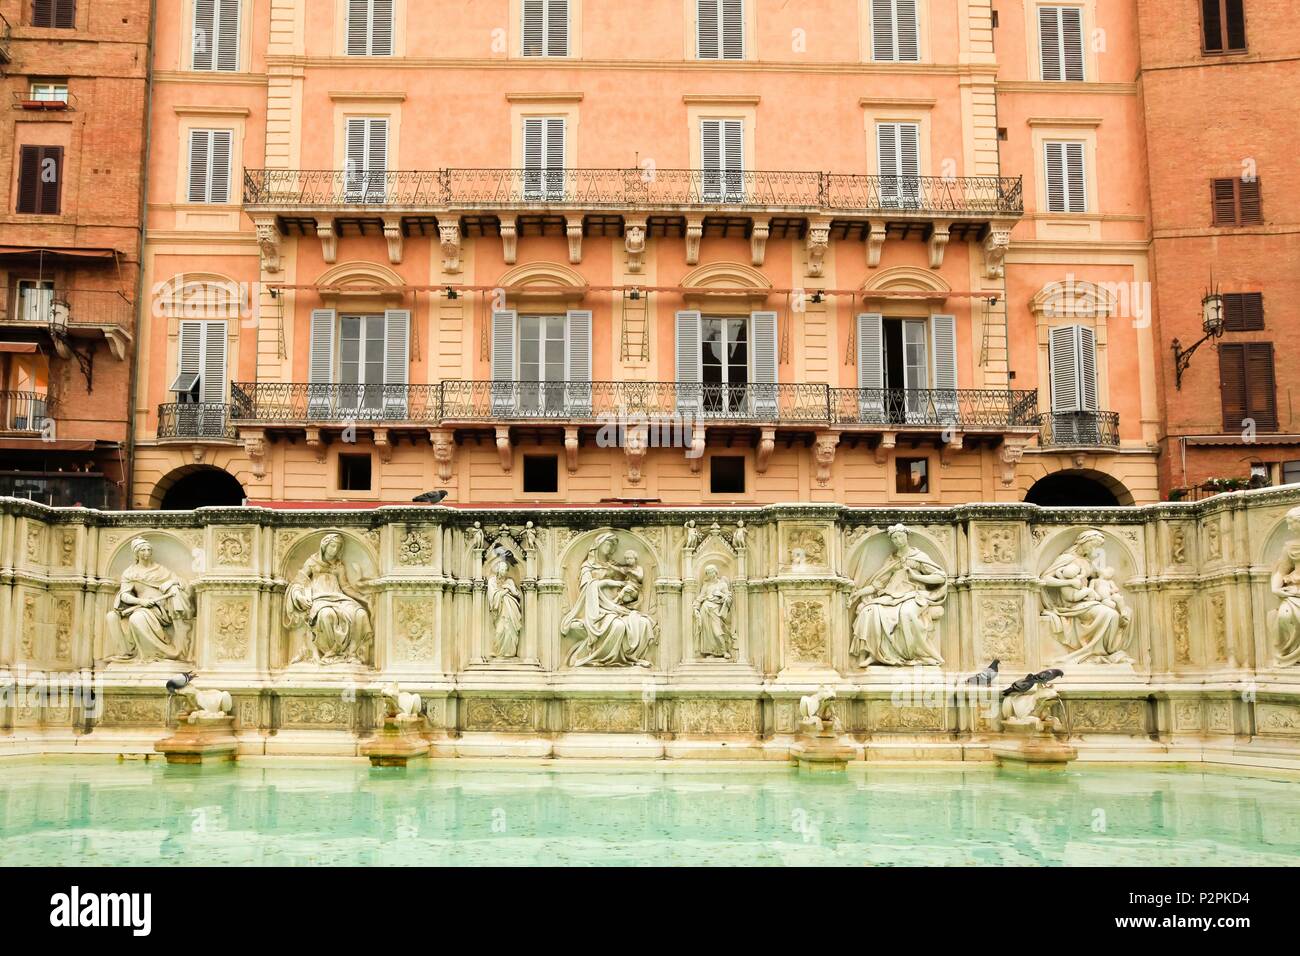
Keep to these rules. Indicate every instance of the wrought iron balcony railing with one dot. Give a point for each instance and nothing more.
(633, 188)
(1078, 429)
(935, 407)
(24, 411)
(464, 401)
(6, 38)
(64, 309)
(202, 420)
(303, 402)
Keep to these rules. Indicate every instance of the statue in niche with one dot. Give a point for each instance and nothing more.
(147, 616)
(475, 536)
(505, 606)
(323, 597)
(528, 538)
(610, 629)
(713, 636)
(692, 535)
(899, 607)
(739, 535)
(1284, 623)
(1083, 607)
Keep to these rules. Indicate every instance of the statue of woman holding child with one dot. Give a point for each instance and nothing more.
(605, 620)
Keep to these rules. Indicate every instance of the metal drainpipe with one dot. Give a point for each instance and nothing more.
(134, 377)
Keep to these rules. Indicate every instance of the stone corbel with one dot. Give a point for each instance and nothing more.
(634, 448)
(255, 449)
(573, 229)
(824, 455)
(449, 239)
(393, 233)
(571, 448)
(382, 445)
(329, 240)
(996, 244)
(938, 243)
(504, 451)
(695, 453)
(949, 448)
(694, 232)
(1012, 452)
(268, 242)
(875, 242)
(509, 241)
(634, 244)
(766, 445)
(118, 340)
(444, 447)
(316, 443)
(758, 241)
(817, 242)
(888, 441)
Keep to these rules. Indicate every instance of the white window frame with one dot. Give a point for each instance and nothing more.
(370, 38)
(722, 10)
(1062, 54)
(209, 174)
(48, 91)
(1074, 194)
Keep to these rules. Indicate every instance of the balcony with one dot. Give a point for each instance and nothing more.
(62, 489)
(24, 413)
(689, 203)
(459, 402)
(68, 315)
(190, 421)
(6, 39)
(1078, 429)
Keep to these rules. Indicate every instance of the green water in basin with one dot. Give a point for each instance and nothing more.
(90, 813)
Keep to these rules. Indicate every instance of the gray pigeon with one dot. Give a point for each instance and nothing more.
(985, 677)
(431, 497)
(1049, 675)
(176, 683)
(505, 554)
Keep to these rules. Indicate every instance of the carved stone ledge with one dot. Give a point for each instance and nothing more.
(571, 448)
(888, 441)
(504, 451)
(268, 243)
(329, 240)
(634, 244)
(573, 230)
(393, 233)
(938, 242)
(817, 242)
(444, 449)
(875, 242)
(449, 240)
(509, 241)
(766, 445)
(694, 233)
(758, 241)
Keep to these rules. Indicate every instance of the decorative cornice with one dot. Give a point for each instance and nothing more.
(730, 99)
(211, 110)
(558, 97)
(1065, 122)
(364, 96)
(1072, 88)
(898, 102)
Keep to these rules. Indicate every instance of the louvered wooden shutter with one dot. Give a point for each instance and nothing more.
(367, 158)
(578, 362)
(370, 28)
(397, 361)
(189, 365)
(706, 29)
(204, 34)
(557, 28)
(1066, 178)
(1232, 385)
(943, 345)
(898, 152)
(1223, 200)
(219, 169)
(689, 373)
(1072, 42)
(227, 36)
(763, 342)
(320, 363)
(1261, 391)
(722, 155)
(504, 322)
(1063, 368)
(40, 180)
(534, 35)
(358, 39)
(1060, 41)
(200, 166)
(555, 157)
(895, 30)
(871, 366)
(1250, 209)
(54, 13)
(733, 29)
(29, 178)
(212, 387)
(1243, 311)
(1087, 352)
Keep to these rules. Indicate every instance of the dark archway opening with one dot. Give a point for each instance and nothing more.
(1078, 489)
(201, 488)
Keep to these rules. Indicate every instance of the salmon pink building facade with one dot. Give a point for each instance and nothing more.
(735, 251)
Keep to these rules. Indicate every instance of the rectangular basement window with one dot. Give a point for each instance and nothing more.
(541, 474)
(354, 472)
(727, 475)
(912, 476)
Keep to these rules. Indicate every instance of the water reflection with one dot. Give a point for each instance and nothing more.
(452, 814)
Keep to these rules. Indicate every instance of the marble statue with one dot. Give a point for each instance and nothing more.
(323, 597)
(505, 607)
(205, 704)
(898, 608)
(1032, 701)
(692, 535)
(1284, 623)
(398, 703)
(815, 711)
(528, 538)
(609, 628)
(475, 536)
(713, 635)
(1082, 605)
(738, 536)
(148, 614)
